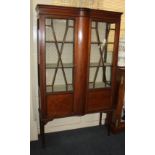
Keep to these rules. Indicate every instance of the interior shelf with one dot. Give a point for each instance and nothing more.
(71, 42)
(52, 41)
(68, 26)
(96, 64)
(109, 29)
(94, 42)
(70, 65)
(59, 88)
(54, 65)
(99, 85)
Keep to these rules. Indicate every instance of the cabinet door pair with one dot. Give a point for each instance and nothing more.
(60, 57)
(77, 63)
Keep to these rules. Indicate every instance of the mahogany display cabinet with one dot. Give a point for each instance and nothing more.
(118, 121)
(77, 61)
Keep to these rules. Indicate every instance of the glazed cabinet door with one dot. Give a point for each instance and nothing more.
(103, 53)
(59, 55)
(59, 65)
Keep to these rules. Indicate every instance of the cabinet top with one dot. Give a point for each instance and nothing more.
(75, 11)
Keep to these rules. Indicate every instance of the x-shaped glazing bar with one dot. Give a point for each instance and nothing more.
(101, 50)
(59, 52)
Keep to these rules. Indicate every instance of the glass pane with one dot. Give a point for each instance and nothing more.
(102, 44)
(59, 54)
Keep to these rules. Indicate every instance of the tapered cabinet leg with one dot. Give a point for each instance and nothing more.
(100, 120)
(42, 134)
(109, 121)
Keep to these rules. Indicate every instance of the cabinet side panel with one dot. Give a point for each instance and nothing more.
(115, 59)
(41, 65)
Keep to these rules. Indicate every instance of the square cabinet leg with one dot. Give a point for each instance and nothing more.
(100, 120)
(109, 121)
(42, 134)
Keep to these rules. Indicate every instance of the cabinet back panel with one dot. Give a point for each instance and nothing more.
(59, 105)
(99, 100)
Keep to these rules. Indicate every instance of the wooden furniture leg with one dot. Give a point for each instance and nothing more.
(109, 120)
(100, 121)
(42, 134)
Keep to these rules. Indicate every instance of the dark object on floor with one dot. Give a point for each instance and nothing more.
(85, 141)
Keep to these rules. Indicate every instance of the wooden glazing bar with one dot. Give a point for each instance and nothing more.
(59, 53)
(110, 76)
(71, 26)
(98, 68)
(105, 57)
(64, 39)
(108, 26)
(105, 53)
(73, 69)
(100, 50)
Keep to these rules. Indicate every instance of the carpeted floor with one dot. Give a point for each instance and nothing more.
(85, 141)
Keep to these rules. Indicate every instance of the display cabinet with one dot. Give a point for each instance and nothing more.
(118, 121)
(77, 61)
